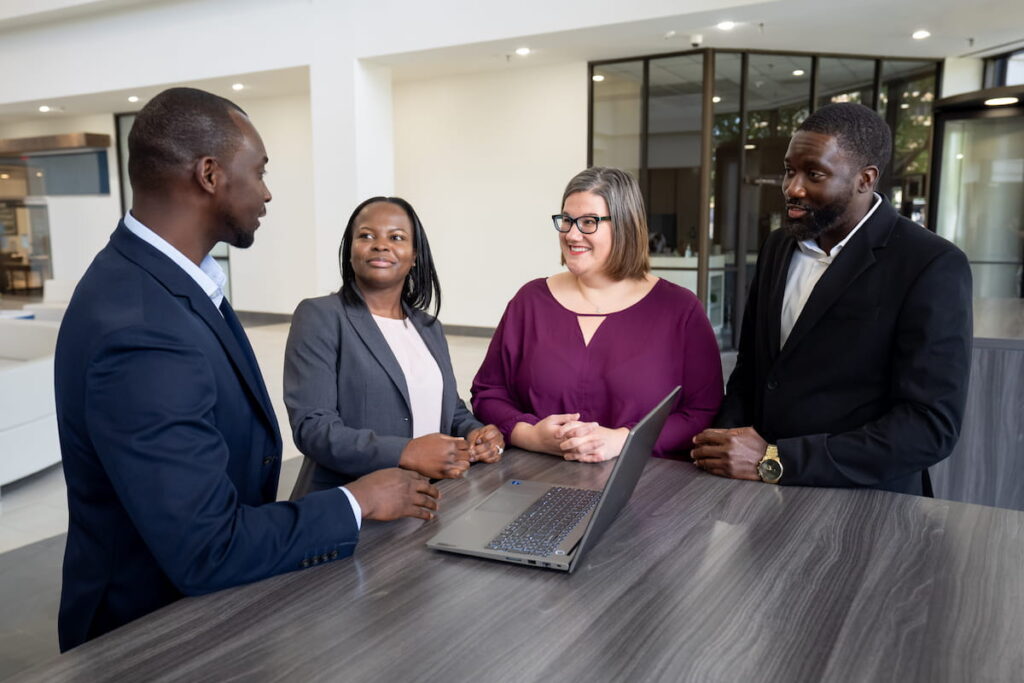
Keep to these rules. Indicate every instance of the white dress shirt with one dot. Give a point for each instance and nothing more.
(211, 279)
(208, 274)
(808, 265)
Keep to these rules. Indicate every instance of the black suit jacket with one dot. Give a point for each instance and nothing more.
(869, 389)
(347, 398)
(171, 450)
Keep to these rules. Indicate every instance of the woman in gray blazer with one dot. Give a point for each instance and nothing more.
(368, 380)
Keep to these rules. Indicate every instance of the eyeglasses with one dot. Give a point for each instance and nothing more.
(585, 224)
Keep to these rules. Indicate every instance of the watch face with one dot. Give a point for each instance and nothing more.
(770, 470)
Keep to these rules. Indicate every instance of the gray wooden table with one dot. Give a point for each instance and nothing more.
(700, 579)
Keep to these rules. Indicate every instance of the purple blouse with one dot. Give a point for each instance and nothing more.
(537, 365)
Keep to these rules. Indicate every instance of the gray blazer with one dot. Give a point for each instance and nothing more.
(347, 399)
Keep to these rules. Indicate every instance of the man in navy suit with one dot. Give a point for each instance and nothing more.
(170, 445)
(856, 341)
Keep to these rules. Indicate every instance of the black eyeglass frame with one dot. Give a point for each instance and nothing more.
(559, 217)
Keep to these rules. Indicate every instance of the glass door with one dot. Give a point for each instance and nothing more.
(981, 199)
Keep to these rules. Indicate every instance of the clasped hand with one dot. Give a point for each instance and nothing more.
(437, 456)
(486, 444)
(440, 456)
(566, 436)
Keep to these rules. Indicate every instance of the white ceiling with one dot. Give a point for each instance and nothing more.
(868, 27)
(277, 83)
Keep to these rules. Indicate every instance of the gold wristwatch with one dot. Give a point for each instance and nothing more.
(770, 467)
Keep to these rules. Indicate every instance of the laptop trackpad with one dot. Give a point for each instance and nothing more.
(513, 498)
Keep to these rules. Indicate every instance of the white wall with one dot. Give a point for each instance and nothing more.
(484, 159)
(79, 224)
(961, 75)
(277, 272)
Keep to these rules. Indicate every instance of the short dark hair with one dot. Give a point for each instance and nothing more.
(859, 130)
(629, 257)
(421, 287)
(174, 129)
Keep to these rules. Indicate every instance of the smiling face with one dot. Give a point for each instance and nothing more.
(245, 194)
(586, 254)
(382, 246)
(826, 191)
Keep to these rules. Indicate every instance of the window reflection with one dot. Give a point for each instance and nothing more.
(616, 116)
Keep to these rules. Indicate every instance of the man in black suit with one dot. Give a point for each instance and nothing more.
(855, 348)
(170, 445)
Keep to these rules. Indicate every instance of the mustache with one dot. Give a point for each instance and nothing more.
(798, 205)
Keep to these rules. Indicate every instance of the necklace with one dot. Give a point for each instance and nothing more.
(579, 288)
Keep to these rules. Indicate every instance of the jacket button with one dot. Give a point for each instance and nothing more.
(305, 564)
(772, 385)
(267, 460)
(324, 558)
(334, 554)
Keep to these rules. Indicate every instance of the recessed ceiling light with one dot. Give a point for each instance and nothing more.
(920, 34)
(5, 176)
(904, 106)
(597, 78)
(237, 86)
(749, 146)
(959, 156)
(726, 25)
(716, 99)
(133, 98)
(44, 108)
(916, 93)
(39, 174)
(1001, 101)
(798, 72)
(522, 51)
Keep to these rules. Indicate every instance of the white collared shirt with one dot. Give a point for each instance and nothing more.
(208, 274)
(211, 279)
(809, 263)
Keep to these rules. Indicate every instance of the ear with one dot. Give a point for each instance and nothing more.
(207, 173)
(867, 179)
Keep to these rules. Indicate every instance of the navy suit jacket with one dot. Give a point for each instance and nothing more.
(869, 389)
(171, 450)
(347, 398)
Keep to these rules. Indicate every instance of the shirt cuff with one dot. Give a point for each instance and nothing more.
(356, 510)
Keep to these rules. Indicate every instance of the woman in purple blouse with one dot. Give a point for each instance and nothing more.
(580, 357)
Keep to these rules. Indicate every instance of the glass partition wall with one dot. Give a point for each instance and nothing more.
(705, 133)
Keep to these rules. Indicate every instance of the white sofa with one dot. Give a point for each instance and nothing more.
(56, 295)
(28, 421)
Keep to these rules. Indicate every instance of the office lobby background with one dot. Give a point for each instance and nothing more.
(478, 113)
(429, 101)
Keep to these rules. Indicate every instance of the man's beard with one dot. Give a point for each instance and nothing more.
(814, 222)
(239, 237)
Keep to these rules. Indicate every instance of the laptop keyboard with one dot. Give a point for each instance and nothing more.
(546, 523)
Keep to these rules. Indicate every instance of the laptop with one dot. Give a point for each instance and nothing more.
(547, 525)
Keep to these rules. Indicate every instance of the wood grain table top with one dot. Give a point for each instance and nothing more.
(700, 579)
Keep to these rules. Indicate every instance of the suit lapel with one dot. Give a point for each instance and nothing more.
(856, 257)
(365, 326)
(253, 378)
(778, 290)
(178, 283)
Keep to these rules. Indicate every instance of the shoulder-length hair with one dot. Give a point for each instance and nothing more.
(629, 256)
(421, 287)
